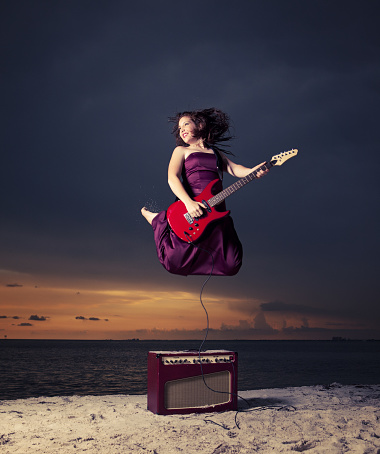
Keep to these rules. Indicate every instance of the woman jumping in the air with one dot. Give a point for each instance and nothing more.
(196, 161)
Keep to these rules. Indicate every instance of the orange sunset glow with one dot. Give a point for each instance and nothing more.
(53, 310)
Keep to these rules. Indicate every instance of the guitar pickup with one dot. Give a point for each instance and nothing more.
(188, 218)
(207, 206)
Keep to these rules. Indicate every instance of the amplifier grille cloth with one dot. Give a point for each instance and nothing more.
(191, 392)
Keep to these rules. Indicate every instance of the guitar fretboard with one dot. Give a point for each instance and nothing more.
(218, 198)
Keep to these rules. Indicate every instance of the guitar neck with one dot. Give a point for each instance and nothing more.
(218, 198)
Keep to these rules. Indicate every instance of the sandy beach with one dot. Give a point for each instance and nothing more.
(319, 419)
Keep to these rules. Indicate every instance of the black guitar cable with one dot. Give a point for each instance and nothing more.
(286, 407)
(207, 330)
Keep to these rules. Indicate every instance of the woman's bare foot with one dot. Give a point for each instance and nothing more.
(148, 215)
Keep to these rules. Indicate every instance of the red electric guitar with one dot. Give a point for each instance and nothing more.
(190, 229)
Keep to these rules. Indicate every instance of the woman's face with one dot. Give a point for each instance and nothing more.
(186, 128)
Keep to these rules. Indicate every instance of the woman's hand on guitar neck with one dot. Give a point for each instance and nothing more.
(261, 173)
(195, 209)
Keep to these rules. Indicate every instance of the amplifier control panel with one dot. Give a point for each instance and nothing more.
(193, 359)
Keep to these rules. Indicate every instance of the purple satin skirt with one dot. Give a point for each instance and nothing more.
(218, 251)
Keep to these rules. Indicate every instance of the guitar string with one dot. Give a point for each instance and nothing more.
(215, 200)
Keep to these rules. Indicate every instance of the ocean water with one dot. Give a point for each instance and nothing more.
(32, 368)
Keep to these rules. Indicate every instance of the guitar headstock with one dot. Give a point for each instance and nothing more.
(279, 159)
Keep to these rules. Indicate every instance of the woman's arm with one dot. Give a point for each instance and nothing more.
(174, 179)
(239, 171)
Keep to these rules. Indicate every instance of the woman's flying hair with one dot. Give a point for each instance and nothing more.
(212, 125)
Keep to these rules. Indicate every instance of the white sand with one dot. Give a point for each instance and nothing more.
(337, 419)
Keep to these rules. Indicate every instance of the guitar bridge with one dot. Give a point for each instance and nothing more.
(188, 218)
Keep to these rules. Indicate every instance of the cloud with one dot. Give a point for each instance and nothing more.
(279, 306)
(37, 318)
(305, 329)
(245, 330)
(24, 324)
(16, 317)
(13, 285)
(244, 325)
(250, 306)
(92, 319)
(258, 325)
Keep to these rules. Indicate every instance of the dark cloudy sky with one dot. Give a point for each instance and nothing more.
(87, 87)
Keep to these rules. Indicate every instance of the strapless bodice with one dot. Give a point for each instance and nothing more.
(199, 170)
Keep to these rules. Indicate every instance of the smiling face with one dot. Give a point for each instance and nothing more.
(186, 128)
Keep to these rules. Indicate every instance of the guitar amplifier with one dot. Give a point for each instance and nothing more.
(176, 384)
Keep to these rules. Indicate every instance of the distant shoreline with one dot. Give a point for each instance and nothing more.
(333, 339)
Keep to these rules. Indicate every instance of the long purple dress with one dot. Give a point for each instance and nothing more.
(220, 238)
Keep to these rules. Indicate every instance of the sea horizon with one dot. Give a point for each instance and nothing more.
(136, 339)
(50, 367)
